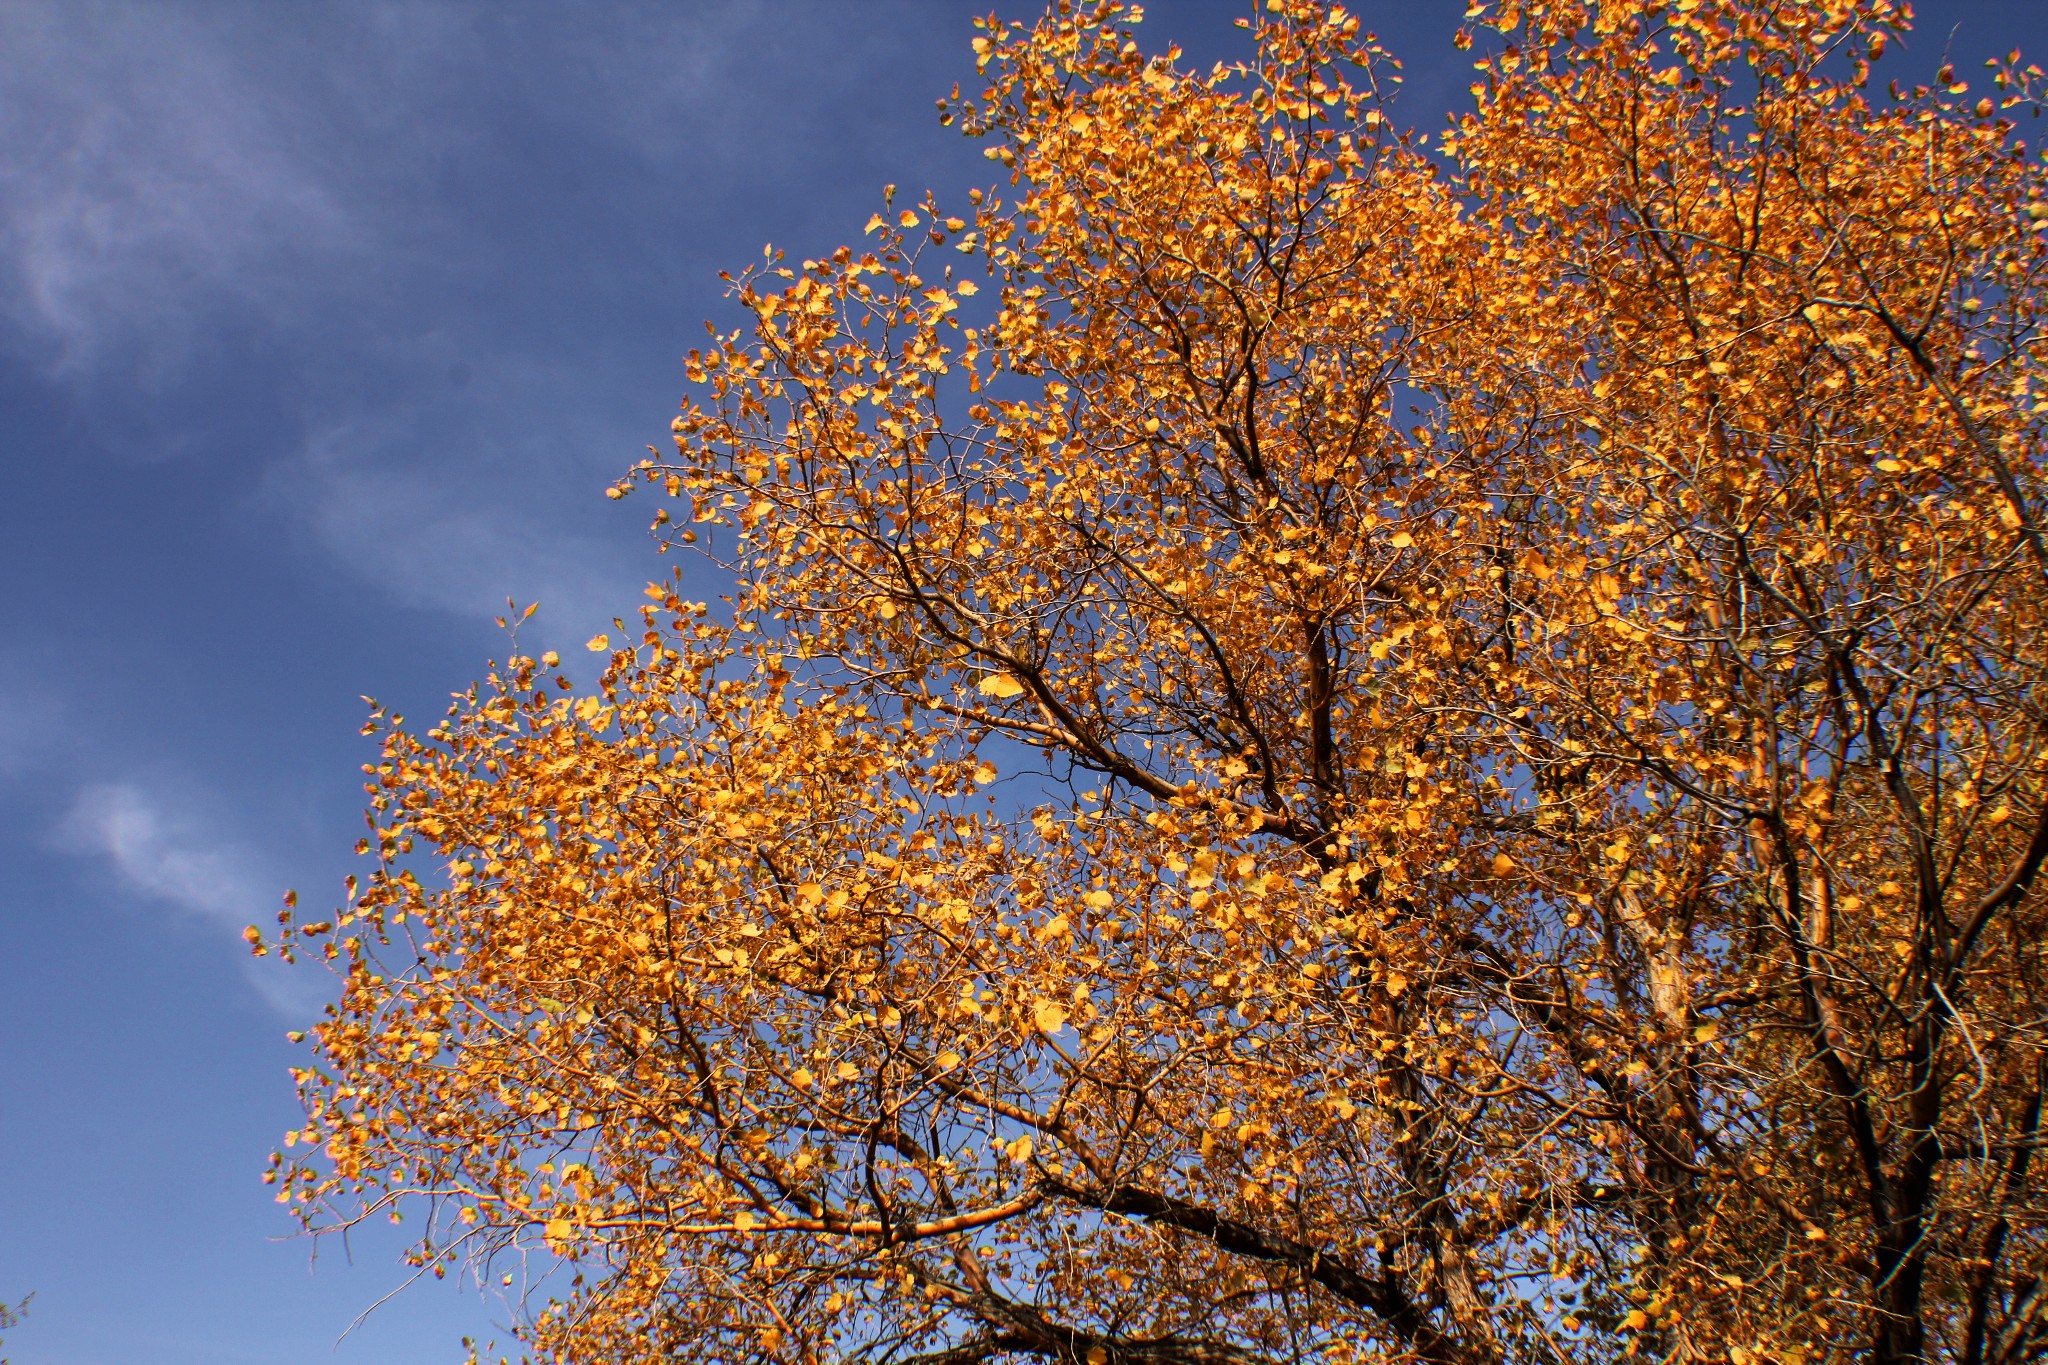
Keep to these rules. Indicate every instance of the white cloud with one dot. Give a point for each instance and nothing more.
(147, 175)
(317, 212)
(163, 167)
(156, 846)
(158, 849)
(458, 503)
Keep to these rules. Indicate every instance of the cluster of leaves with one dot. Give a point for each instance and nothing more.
(1515, 677)
(11, 1316)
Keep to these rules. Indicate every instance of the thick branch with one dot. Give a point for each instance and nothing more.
(1383, 1296)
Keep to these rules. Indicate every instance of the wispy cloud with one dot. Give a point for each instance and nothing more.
(148, 178)
(165, 168)
(416, 250)
(456, 503)
(157, 847)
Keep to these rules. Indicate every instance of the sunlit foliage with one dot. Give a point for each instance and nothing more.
(1329, 744)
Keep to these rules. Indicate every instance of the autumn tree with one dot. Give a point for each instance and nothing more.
(1327, 744)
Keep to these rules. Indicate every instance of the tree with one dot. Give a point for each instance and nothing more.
(1322, 748)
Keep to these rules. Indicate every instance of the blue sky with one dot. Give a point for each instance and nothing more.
(323, 327)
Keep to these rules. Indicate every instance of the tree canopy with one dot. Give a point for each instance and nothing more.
(1328, 744)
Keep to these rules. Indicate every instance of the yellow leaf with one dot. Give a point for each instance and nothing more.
(907, 219)
(985, 774)
(558, 1229)
(1402, 540)
(876, 222)
(1001, 685)
(1502, 864)
(1049, 1017)
(967, 289)
(597, 644)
